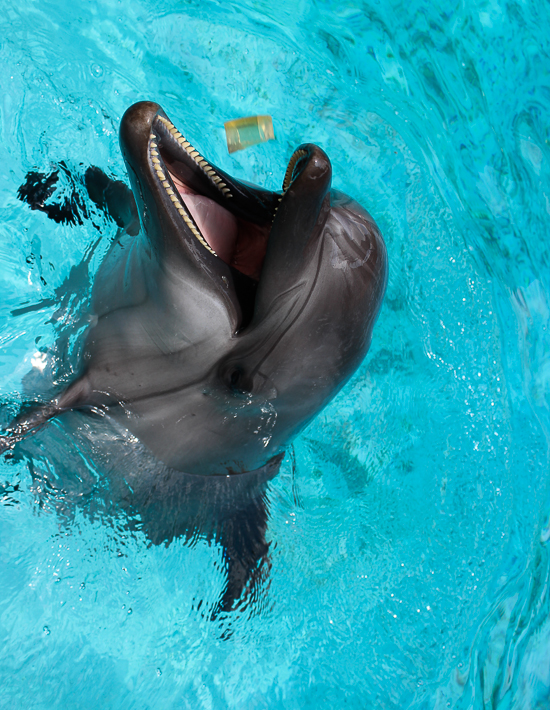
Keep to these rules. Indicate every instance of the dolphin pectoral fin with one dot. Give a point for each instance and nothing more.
(246, 553)
(30, 421)
(114, 198)
(38, 188)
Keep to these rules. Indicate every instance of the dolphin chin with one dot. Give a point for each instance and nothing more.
(225, 317)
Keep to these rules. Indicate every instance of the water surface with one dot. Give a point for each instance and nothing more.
(409, 524)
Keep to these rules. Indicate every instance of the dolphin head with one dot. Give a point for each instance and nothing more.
(237, 312)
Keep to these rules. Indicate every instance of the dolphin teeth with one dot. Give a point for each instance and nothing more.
(288, 175)
(196, 232)
(221, 185)
(201, 162)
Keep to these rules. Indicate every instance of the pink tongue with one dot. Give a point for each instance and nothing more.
(216, 224)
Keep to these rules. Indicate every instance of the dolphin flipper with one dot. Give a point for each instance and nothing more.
(38, 188)
(246, 554)
(228, 510)
(112, 197)
(34, 418)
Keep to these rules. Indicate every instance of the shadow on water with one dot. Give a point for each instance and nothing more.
(83, 465)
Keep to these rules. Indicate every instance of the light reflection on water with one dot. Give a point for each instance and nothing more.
(408, 563)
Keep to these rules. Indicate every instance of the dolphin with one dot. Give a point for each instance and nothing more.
(225, 315)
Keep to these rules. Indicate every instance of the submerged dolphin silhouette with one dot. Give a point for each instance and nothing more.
(227, 316)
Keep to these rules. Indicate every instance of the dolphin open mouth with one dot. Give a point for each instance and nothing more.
(239, 239)
(229, 218)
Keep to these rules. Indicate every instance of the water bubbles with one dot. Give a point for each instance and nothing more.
(96, 70)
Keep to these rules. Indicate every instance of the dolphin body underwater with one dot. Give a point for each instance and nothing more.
(226, 317)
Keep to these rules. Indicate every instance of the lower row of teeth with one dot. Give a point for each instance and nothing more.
(287, 182)
(297, 155)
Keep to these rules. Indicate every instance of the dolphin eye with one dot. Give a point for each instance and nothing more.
(236, 380)
(234, 377)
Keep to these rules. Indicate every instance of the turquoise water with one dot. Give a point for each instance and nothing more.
(409, 525)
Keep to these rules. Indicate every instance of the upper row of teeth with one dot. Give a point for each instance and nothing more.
(197, 157)
(155, 159)
(209, 171)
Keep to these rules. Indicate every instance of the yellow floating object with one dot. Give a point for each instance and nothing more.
(244, 132)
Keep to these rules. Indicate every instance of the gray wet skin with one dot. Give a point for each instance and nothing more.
(210, 377)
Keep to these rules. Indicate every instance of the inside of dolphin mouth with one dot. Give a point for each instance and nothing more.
(238, 242)
(230, 219)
